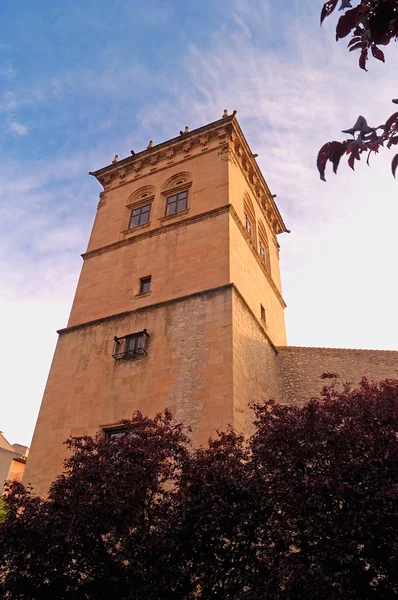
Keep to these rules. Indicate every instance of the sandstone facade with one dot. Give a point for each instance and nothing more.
(214, 313)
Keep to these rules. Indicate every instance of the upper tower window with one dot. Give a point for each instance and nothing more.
(177, 203)
(263, 246)
(138, 208)
(250, 217)
(140, 215)
(176, 192)
(248, 224)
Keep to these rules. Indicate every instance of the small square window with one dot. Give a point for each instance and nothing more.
(176, 203)
(145, 285)
(140, 215)
(263, 315)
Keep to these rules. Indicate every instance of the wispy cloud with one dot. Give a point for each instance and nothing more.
(288, 80)
(291, 99)
(18, 128)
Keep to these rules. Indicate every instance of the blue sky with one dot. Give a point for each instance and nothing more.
(82, 81)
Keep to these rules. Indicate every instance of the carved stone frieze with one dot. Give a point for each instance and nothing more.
(137, 168)
(223, 151)
(105, 180)
(153, 161)
(122, 175)
(222, 136)
(204, 142)
(226, 153)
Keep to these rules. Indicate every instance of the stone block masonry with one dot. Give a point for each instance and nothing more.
(186, 370)
(300, 369)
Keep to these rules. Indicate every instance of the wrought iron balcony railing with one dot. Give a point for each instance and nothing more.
(131, 346)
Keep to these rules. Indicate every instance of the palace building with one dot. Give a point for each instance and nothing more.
(179, 302)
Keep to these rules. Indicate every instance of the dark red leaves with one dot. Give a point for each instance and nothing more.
(332, 151)
(362, 59)
(394, 164)
(354, 40)
(291, 512)
(393, 120)
(377, 53)
(356, 46)
(392, 141)
(371, 23)
(327, 9)
(346, 23)
(354, 155)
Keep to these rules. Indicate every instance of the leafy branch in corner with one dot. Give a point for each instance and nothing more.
(371, 23)
(364, 139)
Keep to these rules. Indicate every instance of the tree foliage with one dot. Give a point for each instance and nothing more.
(370, 24)
(3, 509)
(304, 508)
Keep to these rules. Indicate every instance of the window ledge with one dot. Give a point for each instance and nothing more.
(138, 228)
(143, 295)
(178, 214)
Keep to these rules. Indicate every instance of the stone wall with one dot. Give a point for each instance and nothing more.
(255, 369)
(300, 369)
(188, 369)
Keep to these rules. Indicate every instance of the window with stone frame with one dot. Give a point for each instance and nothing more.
(145, 284)
(248, 224)
(263, 246)
(176, 203)
(250, 217)
(140, 215)
(131, 346)
(113, 432)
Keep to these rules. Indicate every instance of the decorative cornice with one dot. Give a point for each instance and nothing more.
(241, 155)
(225, 136)
(166, 152)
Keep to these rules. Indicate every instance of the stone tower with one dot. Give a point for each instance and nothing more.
(179, 301)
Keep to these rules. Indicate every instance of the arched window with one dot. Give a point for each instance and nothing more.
(176, 191)
(263, 246)
(139, 206)
(250, 217)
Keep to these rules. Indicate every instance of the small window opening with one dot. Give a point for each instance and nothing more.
(145, 285)
(263, 315)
